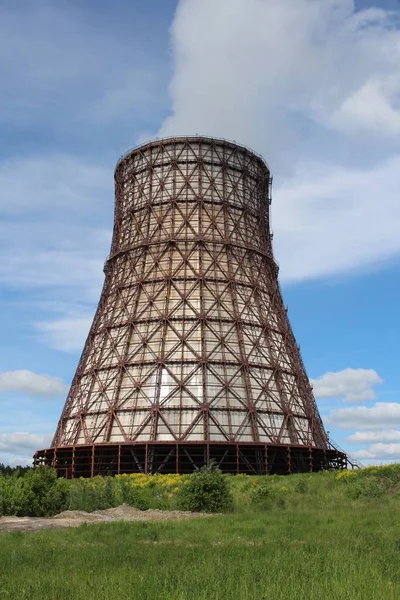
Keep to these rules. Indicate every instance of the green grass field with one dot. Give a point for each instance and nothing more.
(314, 537)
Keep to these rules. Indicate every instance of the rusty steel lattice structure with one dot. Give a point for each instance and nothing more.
(191, 357)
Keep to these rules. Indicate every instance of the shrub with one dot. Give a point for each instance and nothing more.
(37, 494)
(133, 495)
(370, 483)
(263, 495)
(206, 490)
(269, 493)
(368, 488)
(92, 494)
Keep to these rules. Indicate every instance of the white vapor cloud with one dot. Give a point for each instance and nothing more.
(240, 63)
(382, 415)
(372, 106)
(31, 383)
(313, 86)
(353, 385)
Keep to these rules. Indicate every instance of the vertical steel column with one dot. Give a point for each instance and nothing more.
(73, 463)
(92, 462)
(289, 463)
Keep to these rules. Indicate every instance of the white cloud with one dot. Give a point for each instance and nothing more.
(327, 219)
(370, 437)
(319, 91)
(66, 334)
(18, 448)
(59, 181)
(35, 266)
(381, 445)
(382, 415)
(57, 251)
(61, 67)
(31, 383)
(61, 243)
(20, 442)
(354, 385)
(57, 208)
(376, 452)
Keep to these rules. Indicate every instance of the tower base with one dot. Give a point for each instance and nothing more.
(167, 457)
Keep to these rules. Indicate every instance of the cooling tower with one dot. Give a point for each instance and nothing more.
(190, 357)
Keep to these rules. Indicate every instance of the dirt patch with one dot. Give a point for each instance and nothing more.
(74, 518)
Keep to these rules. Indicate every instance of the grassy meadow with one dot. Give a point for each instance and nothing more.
(312, 537)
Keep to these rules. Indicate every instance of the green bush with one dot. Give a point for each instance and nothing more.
(37, 494)
(263, 495)
(92, 494)
(268, 494)
(133, 495)
(40, 493)
(369, 488)
(206, 490)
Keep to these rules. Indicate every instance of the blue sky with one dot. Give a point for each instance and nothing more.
(313, 85)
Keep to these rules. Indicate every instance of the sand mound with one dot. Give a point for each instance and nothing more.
(74, 518)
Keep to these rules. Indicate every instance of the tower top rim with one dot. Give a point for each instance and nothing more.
(152, 143)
